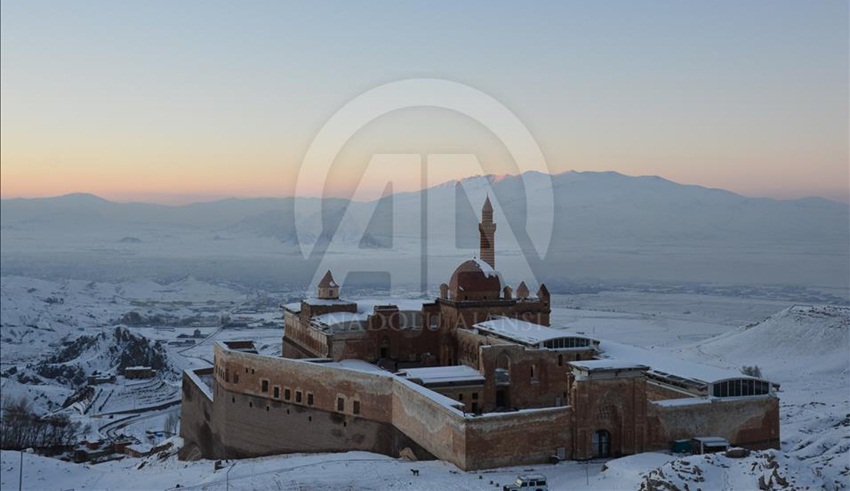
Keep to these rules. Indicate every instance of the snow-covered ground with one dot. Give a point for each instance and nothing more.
(805, 348)
(362, 470)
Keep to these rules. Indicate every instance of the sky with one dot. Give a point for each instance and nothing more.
(187, 101)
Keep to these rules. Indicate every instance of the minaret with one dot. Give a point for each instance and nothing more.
(487, 231)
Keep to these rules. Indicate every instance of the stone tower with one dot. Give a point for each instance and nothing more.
(487, 231)
(328, 289)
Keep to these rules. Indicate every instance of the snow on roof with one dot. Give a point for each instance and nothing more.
(440, 375)
(523, 331)
(326, 301)
(346, 320)
(203, 381)
(430, 394)
(327, 281)
(687, 401)
(354, 365)
(367, 305)
(485, 267)
(140, 447)
(607, 364)
(666, 364)
(293, 307)
(362, 366)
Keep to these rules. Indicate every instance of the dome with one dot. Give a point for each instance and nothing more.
(475, 280)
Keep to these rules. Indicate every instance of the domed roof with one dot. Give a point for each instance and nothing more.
(474, 276)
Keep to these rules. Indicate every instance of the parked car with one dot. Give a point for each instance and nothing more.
(528, 482)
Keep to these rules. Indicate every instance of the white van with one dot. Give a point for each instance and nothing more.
(528, 482)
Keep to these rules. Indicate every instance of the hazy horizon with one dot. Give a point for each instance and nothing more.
(189, 199)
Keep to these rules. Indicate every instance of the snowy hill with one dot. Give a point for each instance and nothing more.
(807, 350)
(816, 338)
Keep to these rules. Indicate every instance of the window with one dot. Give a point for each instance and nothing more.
(460, 397)
(571, 342)
(356, 407)
(235, 378)
(560, 360)
(340, 404)
(226, 375)
(309, 398)
(265, 386)
(475, 396)
(277, 392)
(298, 396)
(287, 394)
(740, 387)
(533, 373)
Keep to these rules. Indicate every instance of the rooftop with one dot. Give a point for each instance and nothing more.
(354, 365)
(326, 301)
(342, 321)
(666, 365)
(294, 307)
(367, 305)
(607, 365)
(523, 331)
(444, 375)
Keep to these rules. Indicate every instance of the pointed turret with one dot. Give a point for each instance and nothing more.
(328, 289)
(543, 292)
(522, 291)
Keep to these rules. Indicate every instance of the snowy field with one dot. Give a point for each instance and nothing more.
(803, 348)
(361, 470)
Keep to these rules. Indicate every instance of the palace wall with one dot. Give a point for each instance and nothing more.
(616, 405)
(658, 392)
(531, 436)
(751, 422)
(393, 414)
(263, 405)
(196, 415)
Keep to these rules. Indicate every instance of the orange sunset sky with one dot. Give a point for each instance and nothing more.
(180, 102)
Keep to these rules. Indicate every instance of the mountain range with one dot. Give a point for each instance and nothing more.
(594, 226)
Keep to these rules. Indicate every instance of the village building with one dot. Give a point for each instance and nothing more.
(476, 377)
(139, 372)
